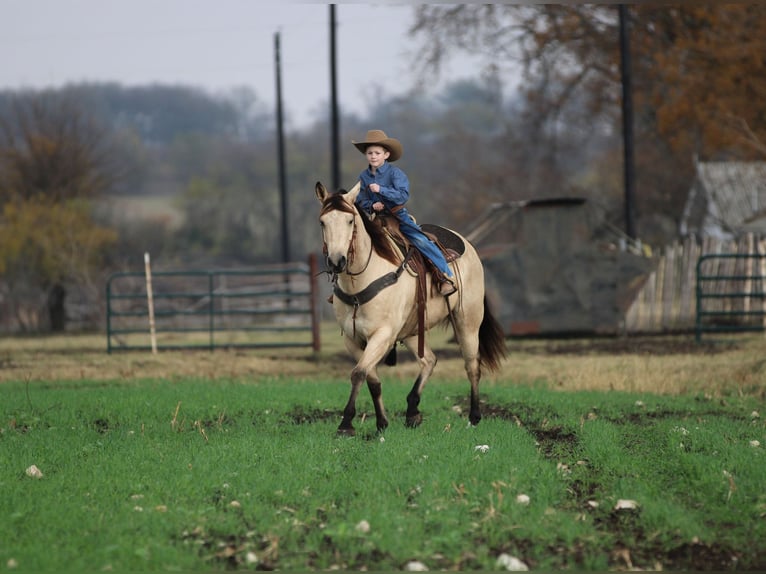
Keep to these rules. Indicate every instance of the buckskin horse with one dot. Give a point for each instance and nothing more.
(381, 298)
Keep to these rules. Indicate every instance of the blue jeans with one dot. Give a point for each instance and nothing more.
(428, 248)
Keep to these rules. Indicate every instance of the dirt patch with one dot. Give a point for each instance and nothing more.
(302, 415)
(702, 557)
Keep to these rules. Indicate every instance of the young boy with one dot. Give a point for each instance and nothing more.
(385, 187)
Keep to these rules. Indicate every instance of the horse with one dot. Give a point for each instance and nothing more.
(375, 303)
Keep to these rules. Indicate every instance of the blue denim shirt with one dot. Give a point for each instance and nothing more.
(394, 188)
(395, 191)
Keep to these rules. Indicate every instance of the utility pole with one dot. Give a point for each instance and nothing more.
(281, 154)
(334, 118)
(627, 121)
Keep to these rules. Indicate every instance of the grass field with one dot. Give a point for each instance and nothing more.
(211, 461)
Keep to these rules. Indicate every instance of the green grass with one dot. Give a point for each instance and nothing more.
(196, 474)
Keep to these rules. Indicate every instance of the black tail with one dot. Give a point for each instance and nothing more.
(491, 340)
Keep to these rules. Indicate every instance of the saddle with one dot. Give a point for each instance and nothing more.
(450, 244)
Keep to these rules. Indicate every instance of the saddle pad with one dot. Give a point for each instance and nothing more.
(447, 238)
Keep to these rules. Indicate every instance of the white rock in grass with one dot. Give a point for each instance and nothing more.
(625, 504)
(755, 443)
(34, 472)
(522, 499)
(251, 558)
(481, 447)
(363, 526)
(755, 415)
(511, 563)
(415, 566)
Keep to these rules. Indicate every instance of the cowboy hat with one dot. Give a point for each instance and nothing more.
(379, 137)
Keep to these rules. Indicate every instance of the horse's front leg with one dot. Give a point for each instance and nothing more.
(365, 369)
(427, 364)
(376, 392)
(346, 426)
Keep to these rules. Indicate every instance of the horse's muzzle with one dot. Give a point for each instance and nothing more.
(337, 267)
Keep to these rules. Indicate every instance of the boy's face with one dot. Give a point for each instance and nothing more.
(376, 155)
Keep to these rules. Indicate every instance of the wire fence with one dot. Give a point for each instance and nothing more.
(267, 306)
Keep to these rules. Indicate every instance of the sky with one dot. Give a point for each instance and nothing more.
(216, 45)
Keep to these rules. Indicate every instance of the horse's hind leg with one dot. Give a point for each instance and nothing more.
(427, 364)
(473, 369)
(468, 339)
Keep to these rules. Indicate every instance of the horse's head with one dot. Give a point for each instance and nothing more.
(337, 219)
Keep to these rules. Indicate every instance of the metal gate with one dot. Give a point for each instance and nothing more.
(731, 293)
(269, 306)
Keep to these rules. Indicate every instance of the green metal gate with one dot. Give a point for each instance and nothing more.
(730, 293)
(269, 306)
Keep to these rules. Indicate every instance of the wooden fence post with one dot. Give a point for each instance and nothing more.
(150, 302)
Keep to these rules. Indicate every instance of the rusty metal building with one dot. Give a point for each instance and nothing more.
(550, 270)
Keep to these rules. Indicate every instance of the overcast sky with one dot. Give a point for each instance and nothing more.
(213, 44)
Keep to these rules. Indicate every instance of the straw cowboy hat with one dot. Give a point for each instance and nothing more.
(379, 137)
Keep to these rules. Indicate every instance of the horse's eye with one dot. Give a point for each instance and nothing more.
(321, 224)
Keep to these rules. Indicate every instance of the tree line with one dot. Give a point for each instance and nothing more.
(67, 153)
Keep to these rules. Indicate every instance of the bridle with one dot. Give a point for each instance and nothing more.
(366, 295)
(350, 254)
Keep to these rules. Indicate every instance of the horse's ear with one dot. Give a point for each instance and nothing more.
(351, 194)
(321, 191)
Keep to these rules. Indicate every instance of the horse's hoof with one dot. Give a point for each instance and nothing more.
(413, 421)
(346, 432)
(381, 426)
(474, 419)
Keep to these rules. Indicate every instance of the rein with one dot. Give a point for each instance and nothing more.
(368, 293)
(352, 252)
(351, 256)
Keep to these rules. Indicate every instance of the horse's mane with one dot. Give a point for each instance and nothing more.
(381, 241)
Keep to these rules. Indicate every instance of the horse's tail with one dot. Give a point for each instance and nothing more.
(491, 340)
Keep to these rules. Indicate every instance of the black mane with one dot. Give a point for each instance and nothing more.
(379, 237)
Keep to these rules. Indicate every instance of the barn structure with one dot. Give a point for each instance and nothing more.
(551, 270)
(727, 199)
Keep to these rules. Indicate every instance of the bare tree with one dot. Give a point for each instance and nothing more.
(53, 157)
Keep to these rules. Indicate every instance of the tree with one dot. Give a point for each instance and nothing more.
(230, 203)
(712, 90)
(50, 147)
(698, 76)
(52, 160)
(42, 246)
